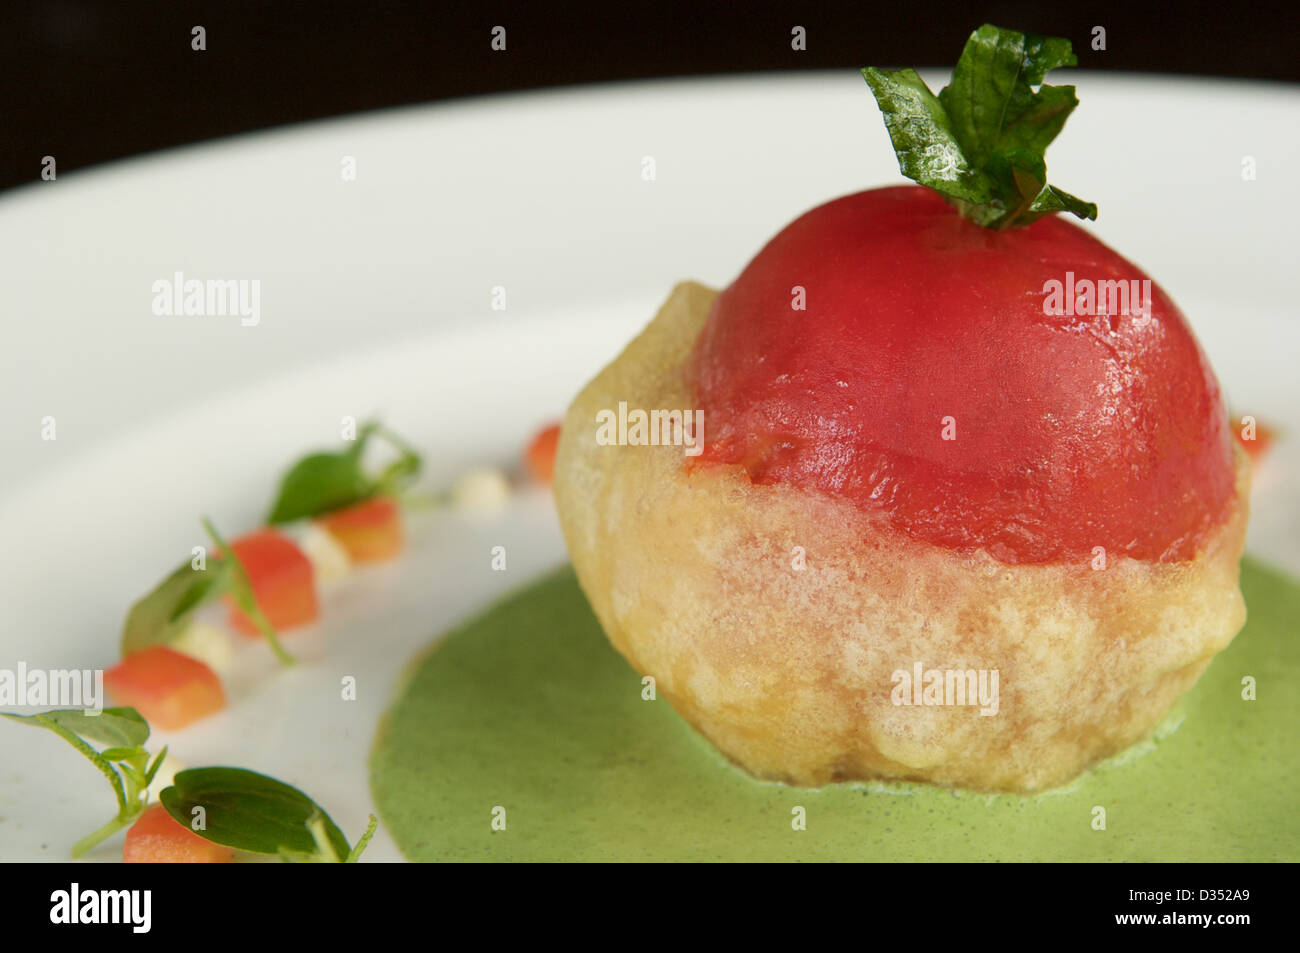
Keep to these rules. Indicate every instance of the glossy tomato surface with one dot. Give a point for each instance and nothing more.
(1064, 433)
(370, 531)
(170, 689)
(158, 838)
(282, 580)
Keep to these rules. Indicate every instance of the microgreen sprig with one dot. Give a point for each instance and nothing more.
(241, 809)
(124, 761)
(241, 590)
(321, 482)
(161, 616)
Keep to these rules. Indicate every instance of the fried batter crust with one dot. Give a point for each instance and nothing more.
(790, 671)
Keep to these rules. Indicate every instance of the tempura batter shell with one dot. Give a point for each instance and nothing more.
(789, 672)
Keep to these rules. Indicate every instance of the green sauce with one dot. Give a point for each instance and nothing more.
(529, 709)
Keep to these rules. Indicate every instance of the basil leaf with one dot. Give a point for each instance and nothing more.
(160, 616)
(114, 727)
(319, 483)
(991, 90)
(322, 482)
(928, 150)
(980, 142)
(1034, 126)
(249, 811)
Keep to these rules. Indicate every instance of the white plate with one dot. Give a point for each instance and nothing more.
(376, 298)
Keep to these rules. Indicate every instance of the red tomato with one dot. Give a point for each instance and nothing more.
(1259, 444)
(370, 531)
(168, 688)
(281, 577)
(158, 838)
(540, 454)
(1064, 433)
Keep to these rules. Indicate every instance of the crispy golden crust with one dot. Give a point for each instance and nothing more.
(791, 672)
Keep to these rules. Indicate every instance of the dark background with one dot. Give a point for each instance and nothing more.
(88, 81)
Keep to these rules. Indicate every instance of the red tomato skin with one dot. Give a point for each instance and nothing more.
(170, 689)
(158, 838)
(1259, 446)
(282, 581)
(1071, 432)
(370, 531)
(540, 454)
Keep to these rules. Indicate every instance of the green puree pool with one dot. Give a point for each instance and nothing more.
(529, 709)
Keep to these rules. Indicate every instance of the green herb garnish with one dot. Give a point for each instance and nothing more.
(161, 616)
(316, 484)
(241, 590)
(251, 812)
(980, 142)
(321, 482)
(241, 809)
(123, 760)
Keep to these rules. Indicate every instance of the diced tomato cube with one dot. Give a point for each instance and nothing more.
(170, 689)
(158, 838)
(370, 531)
(540, 455)
(281, 576)
(1260, 444)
